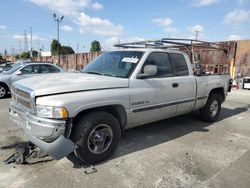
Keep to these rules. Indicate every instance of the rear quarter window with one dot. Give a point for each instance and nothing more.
(179, 63)
(49, 69)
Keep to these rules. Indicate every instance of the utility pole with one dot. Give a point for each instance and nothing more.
(25, 41)
(58, 20)
(20, 47)
(5, 52)
(38, 44)
(31, 50)
(11, 50)
(196, 34)
(77, 48)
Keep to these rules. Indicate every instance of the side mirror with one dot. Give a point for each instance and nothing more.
(18, 72)
(149, 70)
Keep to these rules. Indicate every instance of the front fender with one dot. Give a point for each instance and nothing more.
(79, 101)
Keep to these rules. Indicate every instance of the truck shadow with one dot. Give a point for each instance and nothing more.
(14, 145)
(153, 134)
(163, 131)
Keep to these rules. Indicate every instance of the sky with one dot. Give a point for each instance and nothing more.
(113, 21)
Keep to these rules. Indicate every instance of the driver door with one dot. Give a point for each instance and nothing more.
(151, 98)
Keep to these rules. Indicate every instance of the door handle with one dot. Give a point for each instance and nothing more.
(175, 84)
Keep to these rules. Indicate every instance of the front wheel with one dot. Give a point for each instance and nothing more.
(3, 91)
(211, 110)
(97, 135)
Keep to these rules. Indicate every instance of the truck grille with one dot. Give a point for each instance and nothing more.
(24, 103)
(23, 94)
(22, 98)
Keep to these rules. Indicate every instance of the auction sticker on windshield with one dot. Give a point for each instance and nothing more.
(130, 59)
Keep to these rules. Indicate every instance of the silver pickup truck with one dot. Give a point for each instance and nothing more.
(85, 113)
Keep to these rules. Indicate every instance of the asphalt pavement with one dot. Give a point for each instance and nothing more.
(179, 152)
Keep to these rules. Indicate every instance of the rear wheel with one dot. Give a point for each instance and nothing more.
(3, 91)
(211, 110)
(97, 135)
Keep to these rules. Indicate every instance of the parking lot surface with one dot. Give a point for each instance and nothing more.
(179, 152)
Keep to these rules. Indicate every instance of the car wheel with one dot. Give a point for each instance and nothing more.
(3, 91)
(97, 134)
(211, 110)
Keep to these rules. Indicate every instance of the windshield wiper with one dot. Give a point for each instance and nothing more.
(98, 73)
(93, 72)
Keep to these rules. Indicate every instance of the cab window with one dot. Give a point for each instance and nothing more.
(162, 62)
(180, 64)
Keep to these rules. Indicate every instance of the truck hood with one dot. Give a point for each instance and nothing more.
(70, 82)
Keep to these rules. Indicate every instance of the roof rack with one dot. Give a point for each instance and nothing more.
(168, 43)
(186, 45)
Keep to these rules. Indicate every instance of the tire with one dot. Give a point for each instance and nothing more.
(97, 134)
(210, 112)
(3, 91)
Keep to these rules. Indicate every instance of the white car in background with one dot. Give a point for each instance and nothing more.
(24, 70)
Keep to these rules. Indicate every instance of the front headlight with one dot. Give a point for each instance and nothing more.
(52, 112)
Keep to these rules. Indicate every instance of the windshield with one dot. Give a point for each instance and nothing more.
(13, 69)
(116, 64)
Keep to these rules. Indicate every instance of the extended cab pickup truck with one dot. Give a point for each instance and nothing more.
(85, 113)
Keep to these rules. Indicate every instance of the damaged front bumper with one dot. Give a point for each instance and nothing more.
(47, 134)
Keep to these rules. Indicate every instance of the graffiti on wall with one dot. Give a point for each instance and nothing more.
(242, 60)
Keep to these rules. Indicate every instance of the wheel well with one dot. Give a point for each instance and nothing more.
(219, 91)
(116, 110)
(5, 85)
